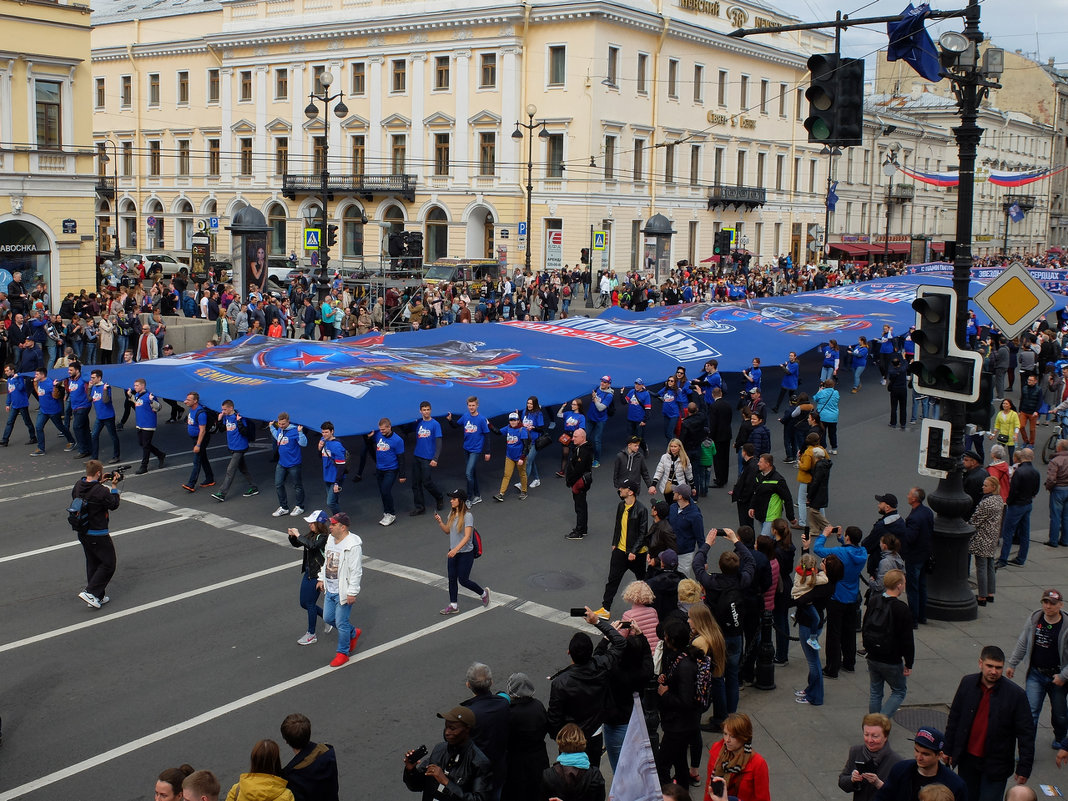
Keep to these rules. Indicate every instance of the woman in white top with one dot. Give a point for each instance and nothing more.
(460, 526)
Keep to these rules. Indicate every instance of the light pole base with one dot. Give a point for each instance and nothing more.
(949, 596)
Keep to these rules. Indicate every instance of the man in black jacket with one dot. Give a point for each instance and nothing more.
(988, 702)
(312, 772)
(1023, 487)
(771, 497)
(719, 427)
(916, 550)
(693, 430)
(630, 542)
(455, 765)
(663, 577)
(745, 486)
(578, 477)
(887, 635)
(974, 476)
(100, 500)
(577, 693)
(889, 522)
(491, 712)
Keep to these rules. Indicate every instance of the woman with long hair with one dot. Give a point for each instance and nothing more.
(734, 760)
(313, 556)
(534, 422)
(708, 638)
(680, 715)
(784, 554)
(169, 783)
(573, 419)
(671, 398)
(460, 527)
(672, 469)
(264, 777)
(1007, 427)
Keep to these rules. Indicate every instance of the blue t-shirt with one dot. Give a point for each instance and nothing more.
(515, 442)
(427, 434)
(235, 440)
(49, 405)
(887, 345)
(17, 397)
(475, 429)
(860, 356)
(532, 420)
(195, 419)
(670, 397)
(638, 403)
(290, 440)
(144, 414)
(101, 397)
(333, 460)
(789, 381)
(574, 421)
(753, 382)
(387, 449)
(79, 397)
(830, 356)
(596, 415)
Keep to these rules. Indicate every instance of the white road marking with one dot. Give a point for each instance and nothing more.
(212, 519)
(225, 709)
(105, 617)
(72, 543)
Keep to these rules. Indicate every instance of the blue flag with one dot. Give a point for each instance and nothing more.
(1015, 212)
(910, 42)
(832, 197)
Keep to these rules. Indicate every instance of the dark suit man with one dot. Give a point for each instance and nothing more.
(916, 550)
(719, 426)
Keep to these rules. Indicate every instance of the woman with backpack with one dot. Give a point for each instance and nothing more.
(460, 526)
(708, 638)
(314, 555)
(826, 402)
(680, 701)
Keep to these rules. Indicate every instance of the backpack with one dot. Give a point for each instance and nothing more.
(702, 691)
(729, 610)
(567, 291)
(877, 630)
(78, 514)
(476, 538)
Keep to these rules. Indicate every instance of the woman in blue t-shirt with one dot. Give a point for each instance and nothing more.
(860, 361)
(573, 419)
(534, 422)
(671, 399)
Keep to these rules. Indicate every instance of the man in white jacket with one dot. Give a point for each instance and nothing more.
(339, 578)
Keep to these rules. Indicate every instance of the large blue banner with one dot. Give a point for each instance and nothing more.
(355, 382)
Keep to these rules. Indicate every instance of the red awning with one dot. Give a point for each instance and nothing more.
(939, 246)
(851, 248)
(895, 247)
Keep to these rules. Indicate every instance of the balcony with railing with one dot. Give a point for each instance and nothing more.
(749, 197)
(105, 187)
(366, 186)
(902, 193)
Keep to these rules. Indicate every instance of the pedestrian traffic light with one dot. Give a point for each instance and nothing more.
(942, 369)
(331, 235)
(721, 245)
(836, 100)
(584, 256)
(981, 412)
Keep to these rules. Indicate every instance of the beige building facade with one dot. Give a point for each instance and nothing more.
(47, 183)
(639, 109)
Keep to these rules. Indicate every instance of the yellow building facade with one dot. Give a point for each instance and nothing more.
(47, 183)
(639, 109)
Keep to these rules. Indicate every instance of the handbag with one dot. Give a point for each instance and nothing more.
(565, 439)
(1003, 439)
(542, 442)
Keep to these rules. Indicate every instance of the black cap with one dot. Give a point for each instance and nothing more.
(459, 493)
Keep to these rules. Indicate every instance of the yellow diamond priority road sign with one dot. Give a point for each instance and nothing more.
(1014, 300)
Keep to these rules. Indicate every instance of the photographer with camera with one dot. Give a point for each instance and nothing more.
(94, 497)
(456, 768)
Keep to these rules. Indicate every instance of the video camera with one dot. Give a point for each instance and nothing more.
(118, 474)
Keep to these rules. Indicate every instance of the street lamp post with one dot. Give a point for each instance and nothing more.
(889, 168)
(517, 135)
(104, 157)
(830, 153)
(322, 282)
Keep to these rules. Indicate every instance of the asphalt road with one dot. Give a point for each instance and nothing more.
(195, 658)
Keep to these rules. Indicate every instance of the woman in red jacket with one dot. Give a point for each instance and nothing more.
(734, 759)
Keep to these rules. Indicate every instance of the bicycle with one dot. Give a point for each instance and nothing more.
(1050, 448)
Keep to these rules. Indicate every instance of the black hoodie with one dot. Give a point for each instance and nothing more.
(572, 784)
(312, 773)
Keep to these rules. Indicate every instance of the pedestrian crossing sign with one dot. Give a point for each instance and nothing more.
(311, 238)
(599, 238)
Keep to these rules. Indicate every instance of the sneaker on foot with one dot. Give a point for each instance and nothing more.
(69, 447)
(207, 483)
(813, 643)
(799, 693)
(89, 599)
(37, 452)
(189, 488)
(603, 613)
(387, 520)
(339, 660)
(517, 485)
(801, 700)
(327, 628)
(451, 609)
(499, 497)
(535, 483)
(297, 511)
(162, 460)
(307, 639)
(104, 600)
(218, 496)
(485, 597)
(574, 535)
(281, 511)
(140, 471)
(596, 463)
(251, 492)
(559, 473)
(355, 639)
(522, 496)
(476, 499)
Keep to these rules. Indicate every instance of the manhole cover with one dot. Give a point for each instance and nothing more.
(556, 580)
(914, 718)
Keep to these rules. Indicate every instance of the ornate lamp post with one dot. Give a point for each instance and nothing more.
(105, 158)
(322, 281)
(517, 135)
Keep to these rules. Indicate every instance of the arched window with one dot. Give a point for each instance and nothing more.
(156, 234)
(128, 224)
(395, 218)
(437, 235)
(353, 232)
(185, 226)
(276, 218)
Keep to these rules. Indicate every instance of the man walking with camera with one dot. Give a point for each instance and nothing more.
(98, 500)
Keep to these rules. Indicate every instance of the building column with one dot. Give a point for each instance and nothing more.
(264, 163)
(418, 143)
(374, 122)
(226, 134)
(511, 91)
(335, 157)
(297, 104)
(461, 145)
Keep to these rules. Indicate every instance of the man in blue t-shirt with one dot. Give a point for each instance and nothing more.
(146, 405)
(335, 459)
(475, 428)
(426, 454)
(237, 431)
(100, 394)
(639, 404)
(389, 464)
(51, 408)
(199, 426)
(18, 404)
(290, 439)
(80, 404)
(600, 401)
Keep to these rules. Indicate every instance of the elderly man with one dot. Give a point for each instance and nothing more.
(1057, 486)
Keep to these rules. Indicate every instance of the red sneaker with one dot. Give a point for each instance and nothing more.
(338, 660)
(189, 488)
(354, 640)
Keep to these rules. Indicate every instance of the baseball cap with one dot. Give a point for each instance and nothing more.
(929, 738)
(513, 416)
(459, 493)
(629, 485)
(459, 714)
(1052, 595)
(973, 455)
(635, 438)
(889, 499)
(606, 379)
(341, 519)
(683, 490)
(668, 558)
(318, 516)
(639, 381)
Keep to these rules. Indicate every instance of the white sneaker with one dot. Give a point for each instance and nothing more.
(476, 499)
(387, 520)
(297, 511)
(281, 511)
(307, 639)
(104, 600)
(89, 599)
(517, 485)
(535, 483)
(327, 628)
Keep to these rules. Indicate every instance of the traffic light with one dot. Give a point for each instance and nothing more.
(584, 256)
(721, 245)
(941, 368)
(836, 100)
(981, 412)
(331, 235)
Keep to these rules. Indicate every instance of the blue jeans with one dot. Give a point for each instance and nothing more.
(471, 472)
(532, 468)
(669, 427)
(385, 480)
(894, 675)
(309, 594)
(857, 372)
(200, 460)
(337, 615)
(1017, 520)
(460, 573)
(920, 402)
(90, 353)
(99, 426)
(730, 673)
(916, 590)
(13, 415)
(123, 344)
(594, 430)
(802, 502)
(280, 476)
(332, 498)
(1038, 687)
(826, 372)
(57, 421)
(808, 626)
(613, 742)
(81, 430)
(1058, 515)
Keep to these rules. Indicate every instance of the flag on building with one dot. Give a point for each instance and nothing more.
(1015, 212)
(636, 778)
(910, 42)
(832, 197)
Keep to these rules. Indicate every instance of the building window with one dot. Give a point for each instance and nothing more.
(695, 165)
(213, 86)
(762, 159)
(359, 78)
(213, 157)
(183, 157)
(154, 158)
(610, 158)
(246, 155)
(740, 177)
(643, 70)
(554, 156)
(673, 79)
(246, 86)
(101, 159)
(400, 75)
(780, 169)
(784, 92)
(698, 83)
(352, 231)
(669, 164)
(487, 154)
(441, 73)
(797, 175)
(721, 88)
(281, 84)
(437, 234)
(398, 153)
(127, 158)
(276, 220)
(487, 78)
(812, 175)
(126, 93)
(153, 90)
(317, 82)
(613, 65)
(557, 65)
(281, 155)
(743, 93)
(638, 170)
(717, 166)
(764, 87)
(635, 244)
(441, 154)
(319, 153)
(183, 88)
(101, 94)
(800, 104)
(359, 155)
(48, 113)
